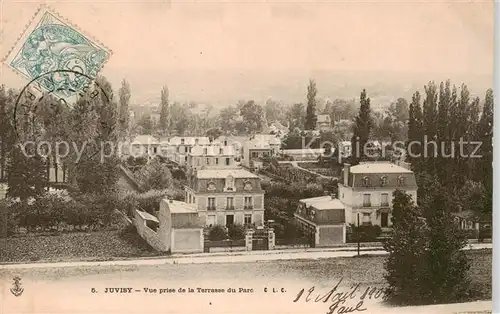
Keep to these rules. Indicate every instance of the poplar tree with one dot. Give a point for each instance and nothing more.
(124, 115)
(361, 131)
(429, 126)
(164, 111)
(415, 134)
(311, 117)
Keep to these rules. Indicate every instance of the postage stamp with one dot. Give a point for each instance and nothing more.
(52, 45)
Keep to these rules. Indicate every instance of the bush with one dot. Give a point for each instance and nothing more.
(217, 233)
(366, 233)
(236, 232)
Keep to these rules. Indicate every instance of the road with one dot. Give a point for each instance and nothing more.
(263, 287)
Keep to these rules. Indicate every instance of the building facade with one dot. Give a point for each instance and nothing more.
(366, 190)
(323, 218)
(227, 196)
(204, 156)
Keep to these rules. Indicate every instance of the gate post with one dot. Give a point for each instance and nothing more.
(248, 240)
(271, 239)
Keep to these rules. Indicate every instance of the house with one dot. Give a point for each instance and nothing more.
(141, 146)
(227, 196)
(366, 189)
(210, 156)
(176, 227)
(323, 122)
(258, 147)
(235, 141)
(181, 146)
(323, 218)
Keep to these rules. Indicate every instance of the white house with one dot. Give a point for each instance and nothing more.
(366, 189)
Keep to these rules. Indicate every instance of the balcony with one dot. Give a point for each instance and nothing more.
(248, 207)
(211, 207)
(367, 204)
(384, 204)
(229, 207)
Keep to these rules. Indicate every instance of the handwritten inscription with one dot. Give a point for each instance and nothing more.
(341, 301)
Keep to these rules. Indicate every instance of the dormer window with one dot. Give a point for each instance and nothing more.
(401, 180)
(248, 186)
(229, 183)
(211, 186)
(225, 143)
(383, 180)
(221, 151)
(366, 181)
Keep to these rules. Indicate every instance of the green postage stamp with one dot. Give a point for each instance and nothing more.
(57, 55)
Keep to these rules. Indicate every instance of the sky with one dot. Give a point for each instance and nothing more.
(219, 52)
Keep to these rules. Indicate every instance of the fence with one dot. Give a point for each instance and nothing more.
(225, 246)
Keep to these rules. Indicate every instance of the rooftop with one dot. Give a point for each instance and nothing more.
(323, 202)
(378, 167)
(224, 173)
(145, 140)
(178, 207)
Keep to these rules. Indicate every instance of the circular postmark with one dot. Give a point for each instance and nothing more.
(34, 97)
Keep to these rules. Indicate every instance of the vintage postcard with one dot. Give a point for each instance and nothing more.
(246, 156)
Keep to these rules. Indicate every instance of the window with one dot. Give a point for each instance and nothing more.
(225, 143)
(211, 186)
(384, 220)
(155, 150)
(178, 149)
(208, 161)
(227, 161)
(216, 161)
(248, 202)
(384, 201)
(221, 151)
(182, 141)
(186, 158)
(366, 181)
(383, 180)
(366, 200)
(367, 219)
(229, 203)
(211, 203)
(248, 186)
(194, 199)
(248, 219)
(229, 183)
(205, 151)
(401, 180)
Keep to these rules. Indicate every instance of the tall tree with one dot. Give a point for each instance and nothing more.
(430, 127)
(361, 131)
(124, 95)
(311, 117)
(164, 111)
(445, 149)
(252, 115)
(415, 134)
(26, 174)
(447, 265)
(296, 116)
(484, 164)
(405, 265)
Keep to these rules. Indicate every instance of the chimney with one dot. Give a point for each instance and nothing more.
(346, 174)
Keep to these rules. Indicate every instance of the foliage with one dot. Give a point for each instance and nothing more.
(364, 233)
(362, 130)
(311, 117)
(217, 233)
(97, 176)
(426, 263)
(252, 115)
(123, 113)
(236, 232)
(164, 111)
(213, 133)
(27, 174)
(405, 265)
(146, 124)
(155, 176)
(296, 116)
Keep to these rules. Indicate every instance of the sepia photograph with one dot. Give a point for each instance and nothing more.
(255, 157)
